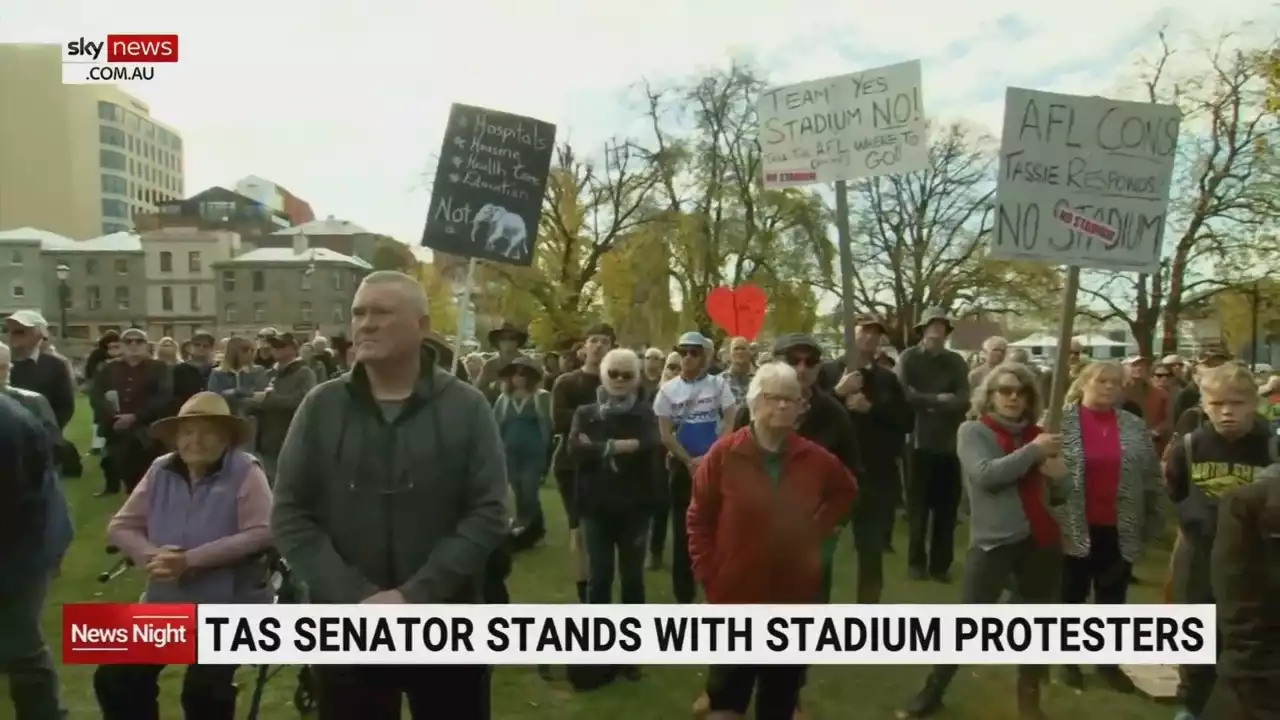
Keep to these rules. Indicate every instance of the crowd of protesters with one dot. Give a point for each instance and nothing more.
(381, 472)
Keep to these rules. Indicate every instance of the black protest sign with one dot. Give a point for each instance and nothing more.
(487, 197)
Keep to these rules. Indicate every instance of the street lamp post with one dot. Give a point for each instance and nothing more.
(64, 299)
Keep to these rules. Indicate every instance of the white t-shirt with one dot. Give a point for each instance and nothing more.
(697, 408)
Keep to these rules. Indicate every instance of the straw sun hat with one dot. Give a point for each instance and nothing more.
(206, 405)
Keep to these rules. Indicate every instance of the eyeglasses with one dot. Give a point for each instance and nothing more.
(621, 375)
(1011, 391)
(803, 361)
(134, 341)
(780, 400)
(690, 352)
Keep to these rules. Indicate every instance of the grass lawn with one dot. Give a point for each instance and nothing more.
(543, 575)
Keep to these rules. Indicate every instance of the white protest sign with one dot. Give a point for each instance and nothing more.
(844, 128)
(1107, 162)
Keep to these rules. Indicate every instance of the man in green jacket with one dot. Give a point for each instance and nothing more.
(391, 489)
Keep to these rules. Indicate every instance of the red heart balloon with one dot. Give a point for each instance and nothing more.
(738, 311)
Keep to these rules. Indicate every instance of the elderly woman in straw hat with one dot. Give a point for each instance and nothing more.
(198, 524)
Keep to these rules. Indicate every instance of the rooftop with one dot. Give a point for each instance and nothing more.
(52, 242)
(327, 226)
(285, 256)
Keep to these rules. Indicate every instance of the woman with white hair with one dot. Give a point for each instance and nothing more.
(615, 442)
(1013, 472)
(760, 542)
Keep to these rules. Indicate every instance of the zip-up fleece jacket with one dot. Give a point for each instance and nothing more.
(754, 539)
(418, 503)
(1246, 580)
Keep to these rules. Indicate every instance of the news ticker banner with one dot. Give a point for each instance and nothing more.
(97, 633)
(117, 58)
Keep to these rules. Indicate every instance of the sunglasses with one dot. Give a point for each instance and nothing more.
(690, 352)
(17, 330)
(674, 367)
(134, 341)
(808, 361)
(621, 375)
(1011, 391)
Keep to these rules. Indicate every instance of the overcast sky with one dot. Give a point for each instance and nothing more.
(343, 103)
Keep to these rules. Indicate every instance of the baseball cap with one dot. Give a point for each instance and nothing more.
(267, 332)
(1213, 355)
(1172, 360)
(133, 332)
(1136, 359)
(282, 340)
(203, 337)
(29, 319)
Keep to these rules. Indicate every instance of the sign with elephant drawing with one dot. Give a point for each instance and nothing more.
(487, 196)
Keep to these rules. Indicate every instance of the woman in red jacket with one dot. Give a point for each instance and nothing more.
(764, 499)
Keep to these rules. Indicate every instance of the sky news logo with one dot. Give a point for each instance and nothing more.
(116, 58)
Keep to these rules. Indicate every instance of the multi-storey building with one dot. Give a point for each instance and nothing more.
(215, 208)
(105, 287)
(300, 288)
(78, 160)
(340, 236)
(277, 198)
(181, 292)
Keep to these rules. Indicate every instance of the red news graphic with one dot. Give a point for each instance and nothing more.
(125, 48)
(119, 634)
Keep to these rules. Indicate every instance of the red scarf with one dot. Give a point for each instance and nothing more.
(1044, 529)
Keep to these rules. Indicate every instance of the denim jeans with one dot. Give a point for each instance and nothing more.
(616, 540)
(24, 656)
(525, 470)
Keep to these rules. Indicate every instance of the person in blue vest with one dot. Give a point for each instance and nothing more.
(523, 413)
(35, 531)
(198, 523)
(694, 409)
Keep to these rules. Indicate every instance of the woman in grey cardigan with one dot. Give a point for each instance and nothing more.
(1116, 490)
(1013, 472)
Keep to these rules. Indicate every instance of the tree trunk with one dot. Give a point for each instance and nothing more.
(1173, 303)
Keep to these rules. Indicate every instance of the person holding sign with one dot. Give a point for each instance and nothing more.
(1014, 471)
(936, 382)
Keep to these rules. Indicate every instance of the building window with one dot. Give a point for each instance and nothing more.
(305, 312)
(17, 289)
(122, 298)
(15, 257)
(122, 266)
(195, 298)
(113, 136)
(259, 312)
(230, 313)
(131, 122)
(228, 281)
(115, 209)
(306, 280)
(166, 298)
(112, 160)
(109, 111)
(91, 266)
(166, 261)
(93, 297)
(337, 279)
(217, 211)
(115, 185)
(193, 261)
(259, 281)
(339, 313)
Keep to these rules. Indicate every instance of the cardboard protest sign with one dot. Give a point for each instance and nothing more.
(1106, 162)
(844, 128)
(487, 197)
(738, 311)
